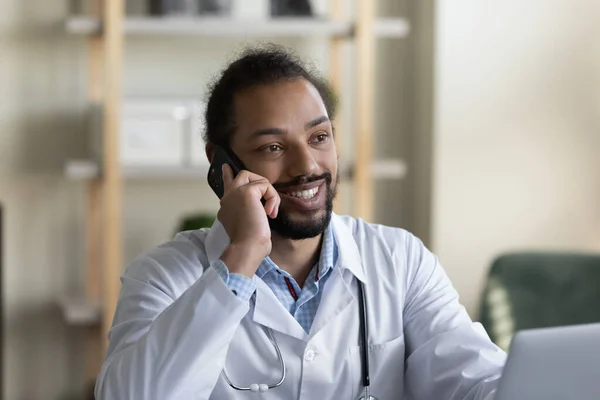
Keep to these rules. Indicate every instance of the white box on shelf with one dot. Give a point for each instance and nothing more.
(253, 10)
(154, 132)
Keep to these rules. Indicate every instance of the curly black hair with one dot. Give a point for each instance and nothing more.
(256, 66)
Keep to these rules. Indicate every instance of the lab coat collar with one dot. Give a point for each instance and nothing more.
(348, 255)
(268, 310)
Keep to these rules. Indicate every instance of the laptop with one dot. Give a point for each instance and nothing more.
(561, 363)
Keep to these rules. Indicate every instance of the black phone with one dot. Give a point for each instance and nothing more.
(215, 174)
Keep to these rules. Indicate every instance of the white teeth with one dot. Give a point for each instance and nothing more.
(305, 194)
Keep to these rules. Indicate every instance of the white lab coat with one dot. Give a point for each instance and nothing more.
(177, 324)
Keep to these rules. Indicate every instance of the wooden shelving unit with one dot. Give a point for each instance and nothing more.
(106, 28)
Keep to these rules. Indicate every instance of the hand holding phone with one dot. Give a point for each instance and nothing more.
(247, 200)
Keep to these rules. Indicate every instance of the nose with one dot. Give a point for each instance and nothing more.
(302, 161)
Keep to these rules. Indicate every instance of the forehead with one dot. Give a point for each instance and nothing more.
(284, 105)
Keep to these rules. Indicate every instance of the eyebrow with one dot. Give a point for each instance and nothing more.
(267, 132)
(278, 131)
(316, 122)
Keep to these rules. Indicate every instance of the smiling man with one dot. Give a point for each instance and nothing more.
(281, 298)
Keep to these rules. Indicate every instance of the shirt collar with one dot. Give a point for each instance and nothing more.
(338, 230)
(327, 258)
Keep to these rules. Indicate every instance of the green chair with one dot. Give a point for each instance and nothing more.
(535, 290)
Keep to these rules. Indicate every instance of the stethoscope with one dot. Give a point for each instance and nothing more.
(364, 336)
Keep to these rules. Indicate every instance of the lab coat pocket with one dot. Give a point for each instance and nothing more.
(386, 370)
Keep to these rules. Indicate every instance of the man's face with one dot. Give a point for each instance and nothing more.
(284, 134)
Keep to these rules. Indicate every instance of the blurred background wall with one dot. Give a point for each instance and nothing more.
(495, 105)
(516, 139)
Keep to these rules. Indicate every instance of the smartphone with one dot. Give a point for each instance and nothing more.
(215, 174)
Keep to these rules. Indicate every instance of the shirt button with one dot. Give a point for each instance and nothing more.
(309, 355)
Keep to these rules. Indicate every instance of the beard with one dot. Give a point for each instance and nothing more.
(313, 223)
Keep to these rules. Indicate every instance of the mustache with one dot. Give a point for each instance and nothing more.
(301, 180)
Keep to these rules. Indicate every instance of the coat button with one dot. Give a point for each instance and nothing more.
(309, 355)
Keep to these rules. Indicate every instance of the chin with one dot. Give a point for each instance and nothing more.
(301, 216)
(298, 226)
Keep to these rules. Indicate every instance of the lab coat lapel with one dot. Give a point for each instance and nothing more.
(269, 311)
(340, 290)
(349, 257)
(335, 298)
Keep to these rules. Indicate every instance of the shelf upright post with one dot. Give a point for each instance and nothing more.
(112, 178)
(336, 75)
(365, 77)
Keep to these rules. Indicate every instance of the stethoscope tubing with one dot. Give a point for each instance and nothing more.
(364, 340)
(279, 358)
(364, 335)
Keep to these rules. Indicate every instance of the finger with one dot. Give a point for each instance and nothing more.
(269, 207)
(265, 190)
(227, 176)
(245, 178)
(274, 206)
(275, 209)
(272, 200)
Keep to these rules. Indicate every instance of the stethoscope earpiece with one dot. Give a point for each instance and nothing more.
(255, 387)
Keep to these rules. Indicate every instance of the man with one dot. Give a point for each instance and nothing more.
(268, 299)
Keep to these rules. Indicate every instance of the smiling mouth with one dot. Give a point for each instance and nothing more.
(304, 194)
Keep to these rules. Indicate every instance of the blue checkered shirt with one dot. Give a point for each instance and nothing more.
(283, 284)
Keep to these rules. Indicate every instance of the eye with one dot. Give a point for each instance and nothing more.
(320, 138)
(272, 148)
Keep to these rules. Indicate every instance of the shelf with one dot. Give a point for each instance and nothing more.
(389, 169)
(85, 170)
(229, 27)
(391, 28)
(77, 311)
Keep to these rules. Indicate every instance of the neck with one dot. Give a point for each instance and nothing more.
(297, 257)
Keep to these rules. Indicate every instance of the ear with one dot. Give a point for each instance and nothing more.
(209, 149)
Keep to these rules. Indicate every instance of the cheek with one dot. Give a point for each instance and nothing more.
(272, 170)
(329, 160)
